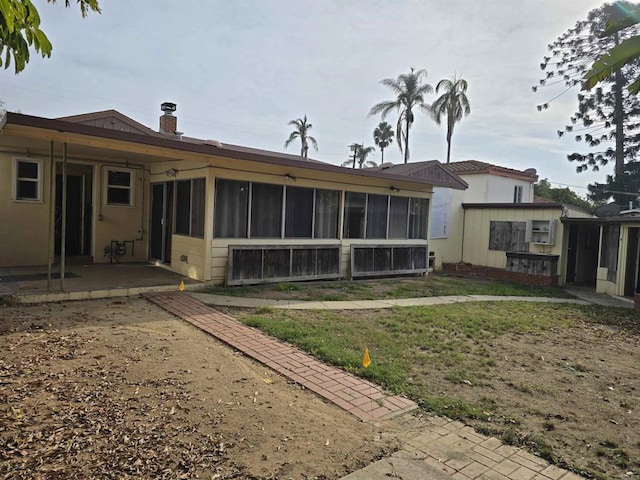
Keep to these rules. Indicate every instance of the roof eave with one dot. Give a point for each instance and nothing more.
(60, 126)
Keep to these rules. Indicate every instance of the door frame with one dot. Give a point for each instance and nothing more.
(166, 221)
(85, 228)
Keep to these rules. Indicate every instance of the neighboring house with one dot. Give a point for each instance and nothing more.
(485, 183)
(204, 209)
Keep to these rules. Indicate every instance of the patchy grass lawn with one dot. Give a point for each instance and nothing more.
(433, 285)
(560, 379)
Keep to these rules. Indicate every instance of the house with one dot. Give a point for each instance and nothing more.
(103, 188)
(484, 182)
(495, 227)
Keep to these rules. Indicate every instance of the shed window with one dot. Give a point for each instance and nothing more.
(119, 187)
(508, 236)
(28, 180)
(190, 205)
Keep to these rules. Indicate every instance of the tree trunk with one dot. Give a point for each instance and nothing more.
(448, 149)
(382, 152)
(406, 138)
(619, 120)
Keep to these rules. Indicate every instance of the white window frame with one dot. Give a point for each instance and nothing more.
(131, 186)
(15, 179)
(518, 191)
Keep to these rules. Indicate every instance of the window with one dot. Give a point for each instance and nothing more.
(386, 217)
(232, 201)
(119, 187)
(508, 236)
(308, 212)
(418, 211)
(354, 214)
(398, 217)
(28, 180)
(266, 210)
(190, 204)
(517, 194)
(377, 209)
(326, 214)
(299, 212)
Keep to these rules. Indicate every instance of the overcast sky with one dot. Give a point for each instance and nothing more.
(240, 70)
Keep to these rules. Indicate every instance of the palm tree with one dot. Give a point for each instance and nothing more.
(453, 103)
(360, 158)
(410, 92)
(302, 132)
(383, 136)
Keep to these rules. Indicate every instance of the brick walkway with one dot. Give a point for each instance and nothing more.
(363, 399)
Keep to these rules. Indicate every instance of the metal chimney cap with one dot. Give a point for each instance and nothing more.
(168, 107)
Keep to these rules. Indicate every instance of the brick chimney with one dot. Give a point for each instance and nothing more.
(169, 123)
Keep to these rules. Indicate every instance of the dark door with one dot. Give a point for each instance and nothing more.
(631, 269)
(161, 222)
(572, 252)
(78, 221)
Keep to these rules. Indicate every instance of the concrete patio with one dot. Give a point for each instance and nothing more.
(87, 281)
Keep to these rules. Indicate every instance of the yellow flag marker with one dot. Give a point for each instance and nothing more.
(182, 286)
(366, 361)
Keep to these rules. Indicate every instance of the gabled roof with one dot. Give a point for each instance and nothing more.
(113, 120)
(473, 167)
(431, 170)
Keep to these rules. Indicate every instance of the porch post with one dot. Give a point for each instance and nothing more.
(52, 188)
(64, 215)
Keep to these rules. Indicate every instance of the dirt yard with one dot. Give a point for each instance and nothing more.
(121, 389)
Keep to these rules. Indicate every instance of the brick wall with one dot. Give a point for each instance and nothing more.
(469, 270)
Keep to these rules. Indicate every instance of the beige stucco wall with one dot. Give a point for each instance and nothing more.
(24, 227)
(23, 224)
(118, 222)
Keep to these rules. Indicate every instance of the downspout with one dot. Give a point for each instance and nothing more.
(142, 212)
(52, 185)
(464, 221)
(64, 216)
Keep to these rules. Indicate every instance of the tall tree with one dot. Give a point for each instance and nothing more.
(301, 131)
(20, 29)
(607, 119)
(360, 157)
(452, 104)
(410, 92)
(618, 56)
(544, 189)
(383, 137)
